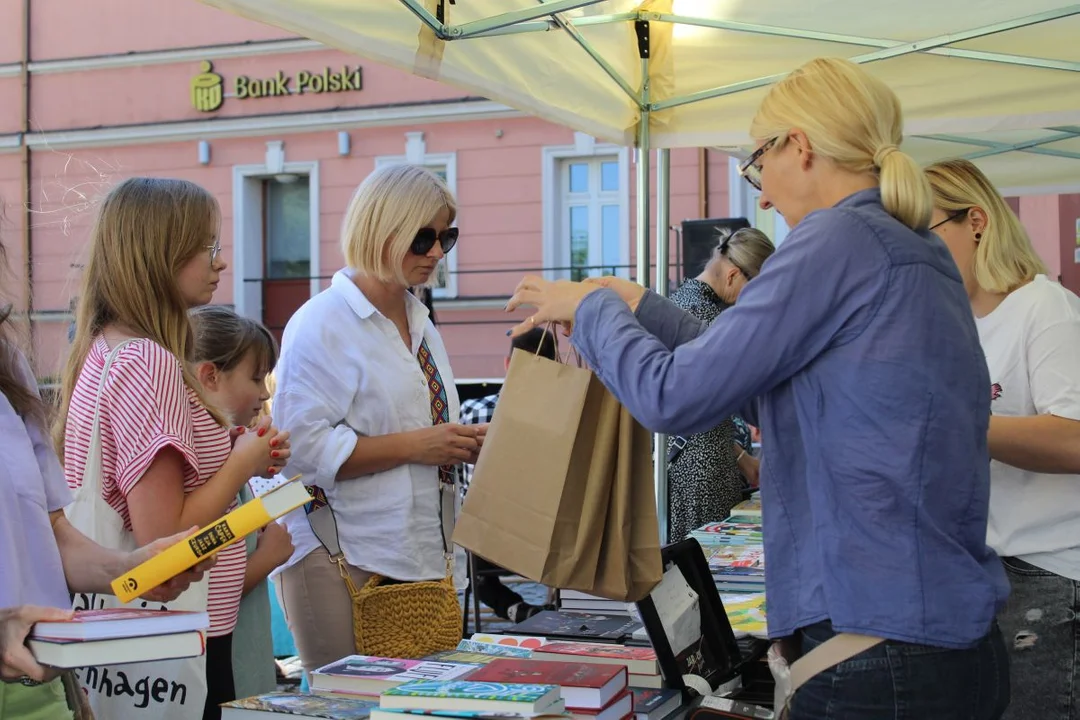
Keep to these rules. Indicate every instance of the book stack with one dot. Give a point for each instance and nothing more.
(589, 691)
(115, 636)
(297, 705)
(737, 568)
(365, 675)
(468, 699)
(747, 532)
(639, 662)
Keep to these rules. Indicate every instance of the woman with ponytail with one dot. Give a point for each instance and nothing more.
(856, 354)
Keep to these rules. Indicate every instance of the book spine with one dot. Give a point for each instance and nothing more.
(182, 556)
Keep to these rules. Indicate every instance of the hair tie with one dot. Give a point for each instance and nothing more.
(883, 152)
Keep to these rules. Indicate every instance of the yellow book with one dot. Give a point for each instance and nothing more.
(208, 541)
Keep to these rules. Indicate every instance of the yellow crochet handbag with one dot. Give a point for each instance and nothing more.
(394, 619)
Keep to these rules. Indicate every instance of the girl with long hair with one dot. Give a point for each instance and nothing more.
(167, 459)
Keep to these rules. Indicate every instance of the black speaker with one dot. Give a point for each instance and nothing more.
(700, 237)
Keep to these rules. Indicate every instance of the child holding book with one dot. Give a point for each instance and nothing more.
(233, 359)
(167, 458)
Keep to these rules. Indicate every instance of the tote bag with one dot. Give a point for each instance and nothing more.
(167, 690)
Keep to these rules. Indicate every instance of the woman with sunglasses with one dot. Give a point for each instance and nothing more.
(856, 354)
(1029, 326)
(364, 384)
(706, 471)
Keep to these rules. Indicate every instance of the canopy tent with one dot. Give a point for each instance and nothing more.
(986, 79)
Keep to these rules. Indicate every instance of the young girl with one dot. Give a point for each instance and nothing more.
(233, 358)
(167, 461)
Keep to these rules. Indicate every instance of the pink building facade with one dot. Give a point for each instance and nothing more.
(282, 130)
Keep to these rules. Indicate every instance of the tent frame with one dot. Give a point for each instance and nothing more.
(548, 17)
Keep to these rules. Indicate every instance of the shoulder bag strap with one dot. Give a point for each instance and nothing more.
(830, 653)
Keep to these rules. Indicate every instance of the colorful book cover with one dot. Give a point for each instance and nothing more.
(471, 714)
(619, 652)
(545, 672)
(522, 641)
(308, 706)
(394, 669)
(486, 648)
(467, 690)
(747, 615)
(461, 656)
(751, 506)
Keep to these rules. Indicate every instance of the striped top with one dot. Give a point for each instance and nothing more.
(145, 408)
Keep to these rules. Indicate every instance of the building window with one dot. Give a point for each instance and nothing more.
(444, 165)
(287, 227)
(586, 198)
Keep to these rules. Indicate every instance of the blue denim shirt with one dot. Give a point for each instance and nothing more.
(858, 343)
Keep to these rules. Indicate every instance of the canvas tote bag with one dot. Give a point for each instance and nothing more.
(168, 690)
(562, 492)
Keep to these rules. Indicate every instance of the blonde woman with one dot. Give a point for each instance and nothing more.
(359, 364)
(705, 474)
(857, 343)
(168, 461)
(1029, 327)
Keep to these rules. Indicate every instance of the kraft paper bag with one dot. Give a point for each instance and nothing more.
(562, 492)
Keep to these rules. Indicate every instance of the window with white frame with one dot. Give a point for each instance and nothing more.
(586, 210)
(444, 284)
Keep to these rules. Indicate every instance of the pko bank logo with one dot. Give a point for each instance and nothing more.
(208, 87)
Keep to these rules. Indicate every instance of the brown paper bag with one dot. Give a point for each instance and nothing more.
(563, 490)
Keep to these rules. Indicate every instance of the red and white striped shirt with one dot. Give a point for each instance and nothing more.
(146, 407)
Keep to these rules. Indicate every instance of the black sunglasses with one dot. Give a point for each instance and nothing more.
(955, 216)
(750, 170)
(426, 237)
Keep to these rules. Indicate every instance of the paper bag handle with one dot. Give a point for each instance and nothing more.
(553, 330)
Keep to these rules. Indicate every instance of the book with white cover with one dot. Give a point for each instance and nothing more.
(117, 651)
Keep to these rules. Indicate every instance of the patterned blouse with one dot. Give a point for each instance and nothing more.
(704, 481)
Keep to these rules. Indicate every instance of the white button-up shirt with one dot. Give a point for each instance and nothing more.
(344, 371)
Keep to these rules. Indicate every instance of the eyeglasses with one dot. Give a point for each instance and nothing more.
(426, 237)
(215, 252)
(955, 216)
(749, 168)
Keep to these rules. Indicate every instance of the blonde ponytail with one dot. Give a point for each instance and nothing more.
(905, 192)
(855, 120)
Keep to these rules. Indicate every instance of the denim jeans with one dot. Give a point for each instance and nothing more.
(901, 681)
(1042, 632)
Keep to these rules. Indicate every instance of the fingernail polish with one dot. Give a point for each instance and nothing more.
(271, 470)
(275, 453)
(262, 431)
(273, 443)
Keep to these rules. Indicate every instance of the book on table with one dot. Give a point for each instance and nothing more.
(68, 654)
(369, 675)
(525, 699)
(399, 714)
(297, 705)
(655, 704)
(583, 686)
(579, 626)
(637, 660)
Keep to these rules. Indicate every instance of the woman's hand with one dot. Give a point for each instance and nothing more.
(276, 543)
(445, 444)
(750, 467)
(555, 302)
(16, 661)
(481, 434)
(263, 450)
(172, 589)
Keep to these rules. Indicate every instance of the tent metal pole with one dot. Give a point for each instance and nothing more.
(663, 234)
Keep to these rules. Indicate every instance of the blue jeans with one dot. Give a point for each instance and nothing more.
(1041, 623)
(901, 681)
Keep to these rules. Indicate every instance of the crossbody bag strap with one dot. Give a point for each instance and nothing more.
(93, 456)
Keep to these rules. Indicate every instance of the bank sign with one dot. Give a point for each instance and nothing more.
(208, 88)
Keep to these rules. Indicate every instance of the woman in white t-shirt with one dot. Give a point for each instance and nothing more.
(1029, 327)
